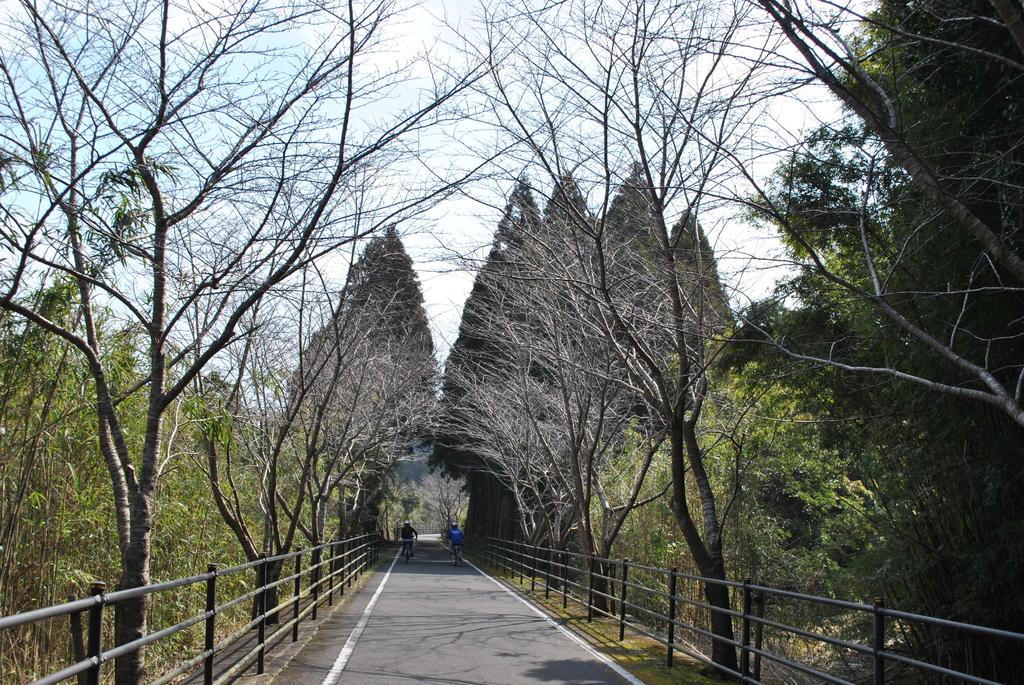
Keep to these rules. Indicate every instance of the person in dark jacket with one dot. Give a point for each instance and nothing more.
(408, 535)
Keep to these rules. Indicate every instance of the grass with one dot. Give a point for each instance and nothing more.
(640, 655)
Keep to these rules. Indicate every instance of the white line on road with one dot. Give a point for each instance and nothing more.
(626, 675)
(346, 652)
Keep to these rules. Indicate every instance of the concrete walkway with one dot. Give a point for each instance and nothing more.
(435, 623)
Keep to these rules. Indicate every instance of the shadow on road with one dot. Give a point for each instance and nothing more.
(564, 671)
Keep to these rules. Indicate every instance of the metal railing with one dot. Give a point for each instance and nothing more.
(868, 643)
(435, 528)
(332, 566)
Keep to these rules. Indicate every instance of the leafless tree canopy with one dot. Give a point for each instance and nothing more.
(179, 164)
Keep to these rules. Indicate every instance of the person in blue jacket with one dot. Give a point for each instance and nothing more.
(455, 538)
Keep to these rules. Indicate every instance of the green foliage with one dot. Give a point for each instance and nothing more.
(59, 533)
(123, 194)
(912, 495)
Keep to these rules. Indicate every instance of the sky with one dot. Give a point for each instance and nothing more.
(453, 239)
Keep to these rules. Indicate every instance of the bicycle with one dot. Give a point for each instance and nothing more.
(456, 552)
(407, 549)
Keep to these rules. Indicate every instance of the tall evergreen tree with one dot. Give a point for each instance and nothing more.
(474, 357)
(384, 286)
(385, 355)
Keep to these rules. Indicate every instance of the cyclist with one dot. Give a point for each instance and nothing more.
(455, 538)
(408, 534)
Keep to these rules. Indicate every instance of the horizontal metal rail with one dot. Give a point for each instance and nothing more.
(609, 587)
(344, 560)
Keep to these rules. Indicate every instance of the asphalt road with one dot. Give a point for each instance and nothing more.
(435, 623)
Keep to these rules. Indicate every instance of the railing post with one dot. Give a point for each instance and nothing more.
(565, 577)
(622, 600)
(671, 615)
(879, 646)
(332, 564)
(547, 574)
(357, 561)
(314, 579)
(745, 634)
(519, 550)
(534, 558)
(261, 608)
(297, 590)
(590, 592)
(758, 634)
(344, 564)
(94, 645)
(211, 623)
(350, 555)
(77, 639)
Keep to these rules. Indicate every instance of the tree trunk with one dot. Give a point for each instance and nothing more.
(489, 512)
(131, 616)
(722, 653)
(709, 562)
(604, 584)
(273, 594)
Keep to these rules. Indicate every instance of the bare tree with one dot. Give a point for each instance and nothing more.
(178, 164)
(302, 430)
(574, 391)
(372, 419)
(639, 98)
(492, 423)
(447, 495)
